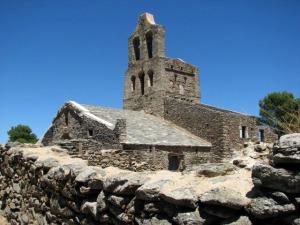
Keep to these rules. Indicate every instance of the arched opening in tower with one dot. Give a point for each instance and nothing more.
(136, 46)
(149, 40)
(133, 83)
(142, 82)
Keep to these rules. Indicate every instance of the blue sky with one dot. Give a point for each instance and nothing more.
(55, 51)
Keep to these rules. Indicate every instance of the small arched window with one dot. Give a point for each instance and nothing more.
(142, 82)
(150, 78)
(133, 83)
(149, 41)
(136, 46)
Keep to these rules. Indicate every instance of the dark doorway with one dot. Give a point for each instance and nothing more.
(261, 135)
(174, 162)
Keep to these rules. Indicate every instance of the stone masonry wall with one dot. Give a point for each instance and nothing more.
(202, 122)
(42, 186)
(69, 125)
(220, 127)
(135, 158)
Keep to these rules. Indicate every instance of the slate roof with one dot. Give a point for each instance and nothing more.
(143, 128)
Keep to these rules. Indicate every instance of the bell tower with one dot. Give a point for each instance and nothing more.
(151, 76)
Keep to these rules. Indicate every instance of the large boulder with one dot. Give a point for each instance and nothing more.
(150, 191)
(288, 150)
(124, 183)
(277, 179)
(263, 208)
(185, 197)
(224, 197)
(289, 140)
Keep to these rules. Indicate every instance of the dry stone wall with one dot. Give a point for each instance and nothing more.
(46, 186)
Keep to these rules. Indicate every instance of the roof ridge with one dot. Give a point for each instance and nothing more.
(90, 115)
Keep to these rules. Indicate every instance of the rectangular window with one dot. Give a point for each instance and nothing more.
(244, 132)
(261, 135)
(90, 133)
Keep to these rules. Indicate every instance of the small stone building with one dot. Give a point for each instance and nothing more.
(163, 124)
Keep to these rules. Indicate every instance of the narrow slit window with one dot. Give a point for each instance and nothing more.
(150, 80)
(133, 83)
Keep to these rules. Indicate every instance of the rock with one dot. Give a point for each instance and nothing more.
(89, 173)
(241, 163)
(288, 150)
(214, 169)
(58, 206)
(289, 140)
(119, 214)
(260, 147)
(47, 163)
(150, 190)
(90, 180)
(263, 208)
(277, 179)
(153, 207)
(242, 220)
(89, 208)
(280, 197)
(224, 197)
(181, 197)
(101, 203)
(25, 219)
(189, 218)
(16, 188)
(281, 159)
(124, 183)
(118, 201)
(286, 156)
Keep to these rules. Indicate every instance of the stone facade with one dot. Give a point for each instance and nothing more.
(69, 124)
(84, 136)
(223, 128)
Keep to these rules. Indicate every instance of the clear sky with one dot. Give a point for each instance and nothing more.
(60, 50)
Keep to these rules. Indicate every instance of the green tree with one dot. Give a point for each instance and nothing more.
(22, 133)
(280, 110)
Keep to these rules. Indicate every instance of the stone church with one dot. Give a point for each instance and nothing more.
(163, 123)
